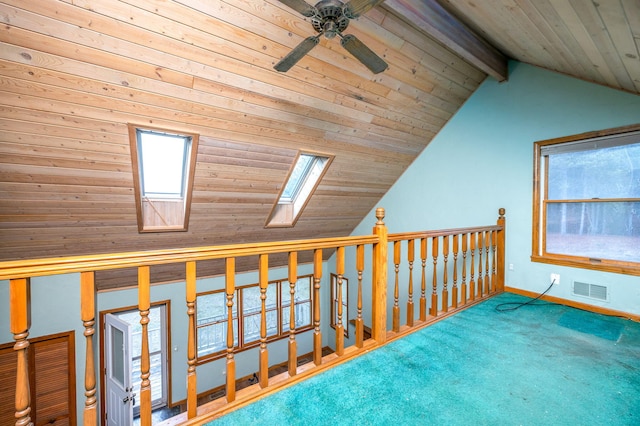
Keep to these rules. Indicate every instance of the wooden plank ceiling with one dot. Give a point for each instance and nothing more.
(74, 73)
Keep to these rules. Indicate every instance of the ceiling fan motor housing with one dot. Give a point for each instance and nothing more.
(330, 18)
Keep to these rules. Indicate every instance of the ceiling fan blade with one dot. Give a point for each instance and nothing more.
(300, 6)
(355, 8)
(363, 53)
(296, 54)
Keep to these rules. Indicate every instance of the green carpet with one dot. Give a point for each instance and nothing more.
(539, 365)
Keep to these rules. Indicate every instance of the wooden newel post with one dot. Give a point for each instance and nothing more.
(88, 316)
(501, 250)
(379, 284)
(20, 305)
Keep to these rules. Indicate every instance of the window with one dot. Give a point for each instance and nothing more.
(163, 169)
(304, 177)
(587, 201)
(212, 316)
(335, 302)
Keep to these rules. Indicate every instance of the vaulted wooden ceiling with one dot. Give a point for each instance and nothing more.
(74, 73)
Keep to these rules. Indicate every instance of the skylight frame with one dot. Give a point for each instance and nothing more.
(157, 211)
(294, 196)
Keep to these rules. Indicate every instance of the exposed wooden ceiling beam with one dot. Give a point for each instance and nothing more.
(430, 17)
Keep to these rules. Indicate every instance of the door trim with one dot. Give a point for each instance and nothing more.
(101, 316)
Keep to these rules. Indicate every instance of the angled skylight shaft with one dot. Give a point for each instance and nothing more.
(302, 181)
(163, 171)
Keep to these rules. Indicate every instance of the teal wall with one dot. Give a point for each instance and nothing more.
(483, 159)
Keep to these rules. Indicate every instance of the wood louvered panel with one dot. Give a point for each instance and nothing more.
(51, 381)
(8, 360)
(52, 384)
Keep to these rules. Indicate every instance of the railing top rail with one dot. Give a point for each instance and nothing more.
(63, 265)
(400, 236)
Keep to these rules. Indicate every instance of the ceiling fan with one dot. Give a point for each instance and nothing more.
(331, 18)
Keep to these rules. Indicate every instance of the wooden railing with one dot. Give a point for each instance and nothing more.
(467, 266)
(473, 257)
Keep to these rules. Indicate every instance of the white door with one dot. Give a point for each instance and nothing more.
(119, 398)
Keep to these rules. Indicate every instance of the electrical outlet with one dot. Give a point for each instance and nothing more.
(554, 279)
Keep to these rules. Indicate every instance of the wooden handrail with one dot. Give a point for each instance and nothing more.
(442, 232)
(98, 262)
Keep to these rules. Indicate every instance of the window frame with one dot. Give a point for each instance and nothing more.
(282, 303)
(173, 211)
(539, 224)
(345, 303)
(287, 210)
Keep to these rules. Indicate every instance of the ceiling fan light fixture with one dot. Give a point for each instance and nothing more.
(331, 18)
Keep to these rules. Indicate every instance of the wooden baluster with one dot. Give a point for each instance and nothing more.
(494, 261)
(463, 285)
(396, 288)
(88, 316)
(445, 291)
(192, 389)
(339, 325)
(454, 291)
(500, 243)
(20, 306)
(230, 291)
(410, 257)
(487, 276)
(434, 294)
(317, 335)
(144, 303)
(423, 283)
(479, 282)
(263, 273)
(293, 278)
(359, 322)
(472, 282)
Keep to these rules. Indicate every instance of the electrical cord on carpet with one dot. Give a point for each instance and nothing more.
(517, 305)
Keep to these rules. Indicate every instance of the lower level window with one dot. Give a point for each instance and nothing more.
(213, 316)
(587, 201)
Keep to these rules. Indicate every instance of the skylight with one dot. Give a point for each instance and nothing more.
(303, 179)
(298, 177)
(163, 168)
(163, 161)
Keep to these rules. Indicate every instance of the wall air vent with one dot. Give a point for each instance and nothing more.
(592, 291)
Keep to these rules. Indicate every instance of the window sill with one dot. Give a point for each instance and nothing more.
(594, 264)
